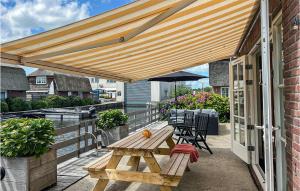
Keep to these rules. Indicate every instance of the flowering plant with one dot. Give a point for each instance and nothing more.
(199, 100)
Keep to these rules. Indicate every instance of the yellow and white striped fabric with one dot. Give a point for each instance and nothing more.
(140, 40)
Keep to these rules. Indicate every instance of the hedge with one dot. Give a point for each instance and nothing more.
(53, 101)
(4, 107)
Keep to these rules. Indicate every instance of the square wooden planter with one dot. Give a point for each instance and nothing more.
(29, 173)
(115, 134)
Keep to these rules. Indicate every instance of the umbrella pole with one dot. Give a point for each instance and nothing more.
(175, 102)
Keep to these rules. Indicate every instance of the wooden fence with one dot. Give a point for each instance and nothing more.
(71, 141)
(138, 119)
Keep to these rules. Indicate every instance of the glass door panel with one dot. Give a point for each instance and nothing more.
(280, 135)
(238, 112)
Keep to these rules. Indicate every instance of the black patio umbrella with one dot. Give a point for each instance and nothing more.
(177, 77)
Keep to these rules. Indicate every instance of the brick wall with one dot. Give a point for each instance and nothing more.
(291, 46)
(217, 89)
(13, 94)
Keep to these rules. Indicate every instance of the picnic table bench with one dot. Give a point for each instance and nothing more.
(137, 146)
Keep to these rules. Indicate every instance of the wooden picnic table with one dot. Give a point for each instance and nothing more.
(137, 146)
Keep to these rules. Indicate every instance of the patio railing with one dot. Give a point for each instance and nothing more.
(71, 141)
(138, 119)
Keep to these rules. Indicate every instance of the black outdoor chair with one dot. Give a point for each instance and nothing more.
(185, 128)
(201, 127)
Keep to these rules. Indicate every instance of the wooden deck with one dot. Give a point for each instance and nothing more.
(71, 171)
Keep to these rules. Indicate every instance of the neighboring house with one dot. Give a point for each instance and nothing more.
(219, 77)
(104, 86)
(43, 83)
(39, 82)
(13, 82)
(143, 92)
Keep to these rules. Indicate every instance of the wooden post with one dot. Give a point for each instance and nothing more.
(150, 114)
(78, 143)
(134, 119)
(94, 132)
(86, 136)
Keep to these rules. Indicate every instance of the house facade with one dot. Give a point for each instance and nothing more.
(246, 96)
(13, 82)
(219, 77)
(39, 82)
(43, 83)
(104, 87)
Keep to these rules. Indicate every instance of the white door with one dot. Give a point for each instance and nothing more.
(239, 95)
(280, 138)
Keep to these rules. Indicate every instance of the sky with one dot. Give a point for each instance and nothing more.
(21, 18)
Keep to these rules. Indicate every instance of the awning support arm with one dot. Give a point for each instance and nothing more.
(181, 5)
(267, 94)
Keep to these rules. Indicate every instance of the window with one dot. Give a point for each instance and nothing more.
(41, 80)
(3, 95)
(225, 91)
(111, 81)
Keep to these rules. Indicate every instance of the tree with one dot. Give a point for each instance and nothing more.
(208, 89)
(181, 90)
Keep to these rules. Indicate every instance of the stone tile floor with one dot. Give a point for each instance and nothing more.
(71, 171)
(222, 171)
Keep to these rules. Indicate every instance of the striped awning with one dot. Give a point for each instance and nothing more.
(140, 40)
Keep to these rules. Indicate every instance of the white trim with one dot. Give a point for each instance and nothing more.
(236, 145)
(281, 171)
(257, 170)
(5, 94)
(222, 91)
(37, 91)
(39, 80)
(267, 94)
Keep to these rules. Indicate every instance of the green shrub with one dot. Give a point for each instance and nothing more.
(181, 90)
(18, 104)
(74, 101)
(39, 104)
(221, 105)
(111, 118)
(55, 101)
(88, 101)
(4, 107)
(25, 137)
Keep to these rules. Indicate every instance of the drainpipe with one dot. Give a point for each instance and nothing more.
(267, 94)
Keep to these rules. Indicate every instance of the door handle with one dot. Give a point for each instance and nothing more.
(259, 127)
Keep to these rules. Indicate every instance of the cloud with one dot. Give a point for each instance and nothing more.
(202, 70)
(105, 1)
(20, 18)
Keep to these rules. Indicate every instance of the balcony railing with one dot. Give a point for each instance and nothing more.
(71, 141)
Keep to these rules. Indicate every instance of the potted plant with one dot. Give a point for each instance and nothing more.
(113, 125)
(27, 161)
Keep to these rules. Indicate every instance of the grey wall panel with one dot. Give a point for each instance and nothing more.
(137, 92)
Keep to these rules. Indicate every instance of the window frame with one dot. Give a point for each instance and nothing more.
(111, 81)
(223, 88)
(41, 80)
(5, 95)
